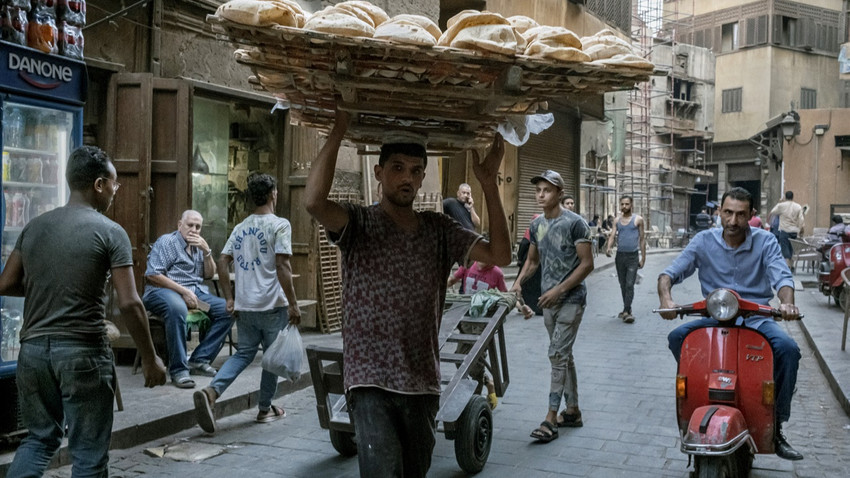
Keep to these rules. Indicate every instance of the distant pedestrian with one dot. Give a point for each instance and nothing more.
(531, 288)
(561, 246)
(462, 208)
(703, 221)
(66, 371)
(629, 235)
(755, 221)
(568, 202)
(265, 302)
(791, 224)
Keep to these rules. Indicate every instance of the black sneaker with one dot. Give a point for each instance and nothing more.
(784, 449)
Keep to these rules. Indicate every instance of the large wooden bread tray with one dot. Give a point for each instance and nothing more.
(454, 96)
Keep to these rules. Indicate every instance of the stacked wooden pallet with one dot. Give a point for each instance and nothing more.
(454, 96)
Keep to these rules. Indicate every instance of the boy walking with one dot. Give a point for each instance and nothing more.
(561, 244)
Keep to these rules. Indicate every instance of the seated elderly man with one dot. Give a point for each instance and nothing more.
(178, 264)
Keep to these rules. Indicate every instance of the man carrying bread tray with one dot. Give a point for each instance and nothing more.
(390, 328)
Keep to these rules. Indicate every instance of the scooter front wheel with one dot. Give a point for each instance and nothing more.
(840, 296)
(716, 467)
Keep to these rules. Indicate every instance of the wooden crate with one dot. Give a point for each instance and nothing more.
(454, 96)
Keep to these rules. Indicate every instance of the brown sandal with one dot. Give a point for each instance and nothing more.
(271, 414)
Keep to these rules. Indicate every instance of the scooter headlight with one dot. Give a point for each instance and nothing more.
(722, 304)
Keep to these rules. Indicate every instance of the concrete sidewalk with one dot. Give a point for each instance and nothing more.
(154, 413)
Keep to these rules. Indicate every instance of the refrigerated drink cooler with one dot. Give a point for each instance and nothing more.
(41, 108)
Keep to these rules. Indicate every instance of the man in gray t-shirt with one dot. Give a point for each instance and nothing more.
(65, 366)
(561, 245)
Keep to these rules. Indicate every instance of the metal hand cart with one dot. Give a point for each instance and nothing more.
(464, 415)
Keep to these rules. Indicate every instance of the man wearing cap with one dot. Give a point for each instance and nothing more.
(390, 328)
(462, 208)
(561, 245)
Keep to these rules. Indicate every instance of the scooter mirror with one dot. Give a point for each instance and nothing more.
(722, 304)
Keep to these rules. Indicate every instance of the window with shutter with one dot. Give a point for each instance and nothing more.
(731, 100)
(750, 32)
(761, 30)
(808, 98)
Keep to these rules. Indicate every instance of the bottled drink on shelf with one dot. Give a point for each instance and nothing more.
(13, 129)
(34, 170)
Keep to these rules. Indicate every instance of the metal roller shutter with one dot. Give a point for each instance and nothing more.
(557, 149)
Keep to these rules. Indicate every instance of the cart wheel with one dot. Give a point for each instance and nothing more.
(343, 442)
(474, 435)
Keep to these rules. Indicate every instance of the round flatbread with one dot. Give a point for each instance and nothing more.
(463, 13)
(422, 21)
(560, 53)
(522, 23)
(495, 38)
(339, 22)
(259, 13)
(375, 13)
(403, 31)
(553, 36)
(601, 51)
(609, 40)
(355, 12)
(470, 20)
(629, 61)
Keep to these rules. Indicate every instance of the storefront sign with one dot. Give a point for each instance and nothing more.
(31, 72)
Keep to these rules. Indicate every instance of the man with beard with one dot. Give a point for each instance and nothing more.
(631, 253)
(462, 208)
(749, 261)
(391, 327)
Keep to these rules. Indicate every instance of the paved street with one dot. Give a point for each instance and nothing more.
(625, 385)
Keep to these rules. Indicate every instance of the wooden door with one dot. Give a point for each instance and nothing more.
(148, 140)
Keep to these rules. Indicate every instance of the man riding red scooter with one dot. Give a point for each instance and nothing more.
(749, 261)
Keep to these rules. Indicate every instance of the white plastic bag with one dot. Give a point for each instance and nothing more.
(285, 355)
(517, 128)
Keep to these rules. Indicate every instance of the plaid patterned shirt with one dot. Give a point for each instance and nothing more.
(168, 257)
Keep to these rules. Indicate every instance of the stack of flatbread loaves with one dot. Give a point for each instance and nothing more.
(409, 29)
(354, 18)
(263, 13)
(606, 48)
(554, 43)
(485, 31)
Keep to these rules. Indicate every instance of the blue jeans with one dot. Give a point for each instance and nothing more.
(170, 306)
(562, 322)
(396, 433)
(65, 381)
(254, 328)
(627, 266)
(786, 358)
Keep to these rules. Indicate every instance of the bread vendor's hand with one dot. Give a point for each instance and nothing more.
(487, 171)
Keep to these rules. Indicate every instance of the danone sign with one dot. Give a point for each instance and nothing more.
(32, 72)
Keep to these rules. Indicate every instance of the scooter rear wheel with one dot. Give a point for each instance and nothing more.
(840, 296)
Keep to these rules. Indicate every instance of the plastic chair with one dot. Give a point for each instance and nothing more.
(804, 253)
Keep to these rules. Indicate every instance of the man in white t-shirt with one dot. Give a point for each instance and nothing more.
(259, 247)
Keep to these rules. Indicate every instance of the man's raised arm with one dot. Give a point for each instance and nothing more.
(319, 181)
(498, 250)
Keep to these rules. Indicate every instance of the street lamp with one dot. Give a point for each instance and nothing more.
(789, 126)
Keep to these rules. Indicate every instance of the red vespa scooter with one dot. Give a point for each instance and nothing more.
(725, 391)
(836, 259)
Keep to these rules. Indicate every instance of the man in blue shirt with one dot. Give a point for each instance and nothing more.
(749, 261)
(178, 264)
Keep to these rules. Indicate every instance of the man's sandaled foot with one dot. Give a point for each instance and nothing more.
(183, 382)
(571, 420)
(204, 400)
(545, 433)
(271, 414)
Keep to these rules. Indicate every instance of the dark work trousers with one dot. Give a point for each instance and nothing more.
(395, 433)
(627, 267)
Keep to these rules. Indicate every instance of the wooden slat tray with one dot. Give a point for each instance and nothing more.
(454, 96)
